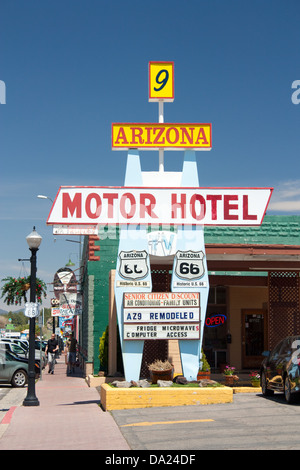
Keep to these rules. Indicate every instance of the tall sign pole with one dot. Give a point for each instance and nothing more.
(161, 89)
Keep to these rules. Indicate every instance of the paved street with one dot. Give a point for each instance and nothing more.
(251, 422)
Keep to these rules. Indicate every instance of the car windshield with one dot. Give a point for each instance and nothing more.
(11, 356)
(17, 349)
(21, 344)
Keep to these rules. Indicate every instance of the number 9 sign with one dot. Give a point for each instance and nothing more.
(161, 81)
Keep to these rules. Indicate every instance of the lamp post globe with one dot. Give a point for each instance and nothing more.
(34, 241)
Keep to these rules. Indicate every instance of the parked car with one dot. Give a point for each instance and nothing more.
(21, 352)
(280, 370)
(38, 344)
(24, 344)
(14, 370)
(21, 342)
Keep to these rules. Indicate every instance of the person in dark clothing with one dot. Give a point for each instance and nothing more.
(51, 348)
(71, 351)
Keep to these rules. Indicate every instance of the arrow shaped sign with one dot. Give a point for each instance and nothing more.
(82, 205)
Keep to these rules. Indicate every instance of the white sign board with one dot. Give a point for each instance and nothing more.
(153, 315)
(179, 206)
(133, 284)
(70, 304)
(161, 315)
(55, 312)
(75, 230)
(161, 299)
(162, 331)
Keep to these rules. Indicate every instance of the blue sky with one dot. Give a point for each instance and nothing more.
(72, 67)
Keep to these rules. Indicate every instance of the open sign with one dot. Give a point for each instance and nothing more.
(215, 320)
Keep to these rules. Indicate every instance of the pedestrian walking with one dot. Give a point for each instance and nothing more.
(71, 345)
(51, 348)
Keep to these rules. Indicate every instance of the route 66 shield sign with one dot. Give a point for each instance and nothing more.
(32, 309)
(189, 264)
(133, 264)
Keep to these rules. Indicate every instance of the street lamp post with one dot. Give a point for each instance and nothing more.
(34, 241)
(41, 196)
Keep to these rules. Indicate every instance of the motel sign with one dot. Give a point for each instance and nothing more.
(196, 206)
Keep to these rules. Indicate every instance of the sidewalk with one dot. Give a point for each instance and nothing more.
(68, 418)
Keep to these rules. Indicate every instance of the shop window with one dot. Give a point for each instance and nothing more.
(217, 295)
(215, 330)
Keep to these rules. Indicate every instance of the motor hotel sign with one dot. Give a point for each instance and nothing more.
(180, 206)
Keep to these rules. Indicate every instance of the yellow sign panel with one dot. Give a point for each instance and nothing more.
(154, 136)
(161, 81)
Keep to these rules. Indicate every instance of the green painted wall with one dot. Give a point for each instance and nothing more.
(100, 272)
(275, 229)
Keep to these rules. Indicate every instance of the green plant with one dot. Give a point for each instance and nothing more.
(14, 290)
(103, 350)
(229, 370)
(205, 367)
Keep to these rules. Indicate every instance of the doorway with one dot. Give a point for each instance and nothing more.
(156, 349)
(254, 337)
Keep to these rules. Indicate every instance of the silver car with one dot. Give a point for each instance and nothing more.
(12, 369)
(22, 351)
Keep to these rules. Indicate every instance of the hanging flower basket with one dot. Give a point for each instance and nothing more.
(14, 290)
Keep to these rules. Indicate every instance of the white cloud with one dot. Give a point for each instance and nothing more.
(286, 197)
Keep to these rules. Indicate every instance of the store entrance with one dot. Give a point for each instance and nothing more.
(156, 349)
(216, 327)
(254, 337)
